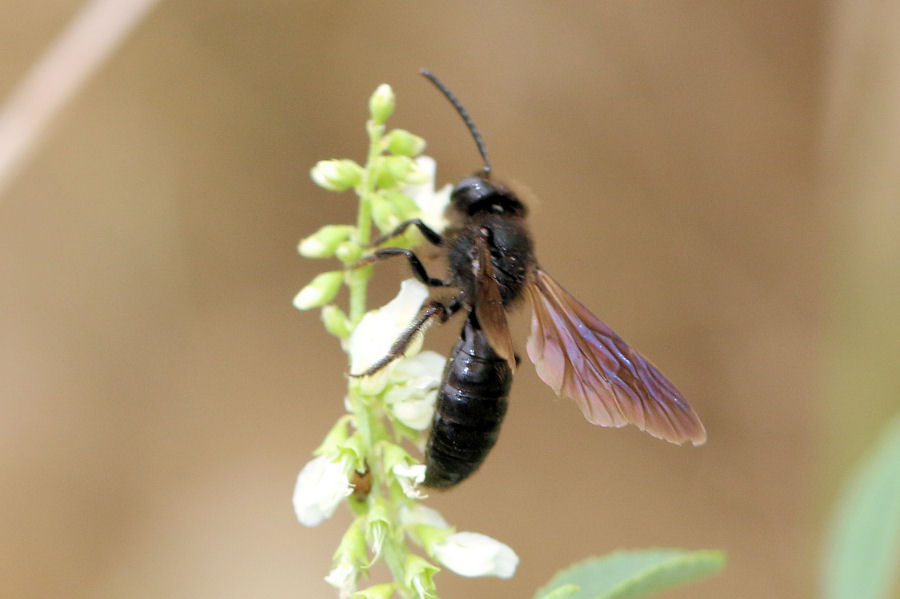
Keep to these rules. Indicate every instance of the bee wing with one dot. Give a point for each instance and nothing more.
(583, 359)
(489, 306)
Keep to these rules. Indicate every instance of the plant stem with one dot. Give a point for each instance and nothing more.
(359, 278)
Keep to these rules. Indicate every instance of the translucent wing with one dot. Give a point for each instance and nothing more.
(489, 305)
(583, 359)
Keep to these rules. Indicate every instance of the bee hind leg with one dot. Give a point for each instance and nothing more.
(430, 310)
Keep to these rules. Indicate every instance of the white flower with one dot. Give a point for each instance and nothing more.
(419, 514)
(376, 332)
(410, 477)
(475, 554)
(321, 486)
(415, 384)
(432, 203)
(415, 412)
(343, 577)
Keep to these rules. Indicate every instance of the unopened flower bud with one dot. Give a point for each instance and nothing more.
(336, 321)
(383, 214)
(418, 575)
(385, 590)
(349, 559)
(352, 547)
(378, 527)
(393, 171)
(381, 104)
(336, 175)
(348, 252)
(337, 435)
(403, 205)
(320, 291)
(403, 143)
(323, 242)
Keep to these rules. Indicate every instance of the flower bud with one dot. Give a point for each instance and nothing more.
(349, 559)
(335, 321)
(383, 214)
(404, 206)
(381, 104)
(348, 252)
(392, 455)
(354, 451)
(323, 242)
(378, 527)
(337, 435)
(320, 291)
(352, 547)
(418, 575)
(379, 591)
(393, 171)
(336, 175)
(403, 143)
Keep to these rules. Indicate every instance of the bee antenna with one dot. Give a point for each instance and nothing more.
(486, 165)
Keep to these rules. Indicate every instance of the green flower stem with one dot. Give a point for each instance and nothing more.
(364, 418)
(372, 442)
(367, 423)
(359, 278)
(395, 553)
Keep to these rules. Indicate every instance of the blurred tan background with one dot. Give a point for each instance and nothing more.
(709, 178)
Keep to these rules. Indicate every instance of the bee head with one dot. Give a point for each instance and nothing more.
(478, 195)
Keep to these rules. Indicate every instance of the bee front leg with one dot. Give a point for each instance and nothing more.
(418, 269)
(430, 310)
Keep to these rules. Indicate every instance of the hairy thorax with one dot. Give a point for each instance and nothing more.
(511, 250)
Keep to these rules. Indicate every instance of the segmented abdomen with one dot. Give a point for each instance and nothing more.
(470, 408)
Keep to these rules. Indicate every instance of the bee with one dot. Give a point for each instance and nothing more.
(493, 268)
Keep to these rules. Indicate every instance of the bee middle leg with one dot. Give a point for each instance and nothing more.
(418, 269)
(427, 232)
(430, 310)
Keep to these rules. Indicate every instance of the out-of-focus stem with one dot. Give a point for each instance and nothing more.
(90, 37)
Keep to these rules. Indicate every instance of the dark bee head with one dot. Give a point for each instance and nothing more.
(478, 195)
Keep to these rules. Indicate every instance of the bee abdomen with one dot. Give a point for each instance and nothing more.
(470, 408)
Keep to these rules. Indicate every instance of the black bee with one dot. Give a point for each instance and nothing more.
(492, 264)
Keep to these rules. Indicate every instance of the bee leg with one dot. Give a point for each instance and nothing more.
(430, 235)
(430, 310)
(418, 269)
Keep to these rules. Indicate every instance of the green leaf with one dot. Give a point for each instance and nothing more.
(863, 549)
(633, 574)
(563, 592)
